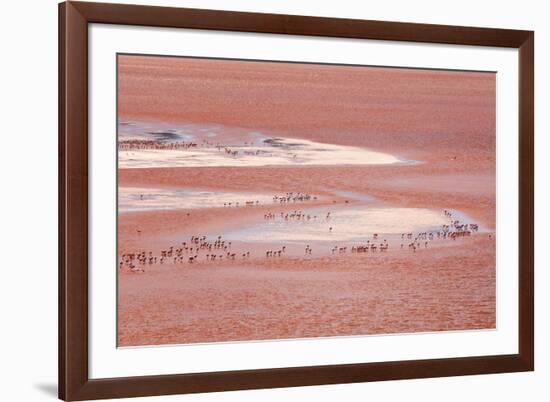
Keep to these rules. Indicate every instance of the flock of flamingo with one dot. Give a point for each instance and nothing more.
(199, 248)
(281, 199)
(154, 145)
(140, 145)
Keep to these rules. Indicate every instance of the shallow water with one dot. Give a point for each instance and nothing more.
(134, 199)
(221, 146)
(344, 223)
(355, 223)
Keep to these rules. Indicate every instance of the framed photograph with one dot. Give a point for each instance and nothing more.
(258, 200)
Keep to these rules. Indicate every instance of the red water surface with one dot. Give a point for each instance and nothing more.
(446, 120)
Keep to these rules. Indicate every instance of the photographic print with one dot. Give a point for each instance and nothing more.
(262, 200)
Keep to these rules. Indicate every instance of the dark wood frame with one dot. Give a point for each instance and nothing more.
(74, 383)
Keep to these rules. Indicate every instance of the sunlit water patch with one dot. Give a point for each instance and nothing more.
(134, 199)
(350, 224)
(220, 146)
(350, 195)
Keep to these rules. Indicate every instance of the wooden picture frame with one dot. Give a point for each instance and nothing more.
(74, 381)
